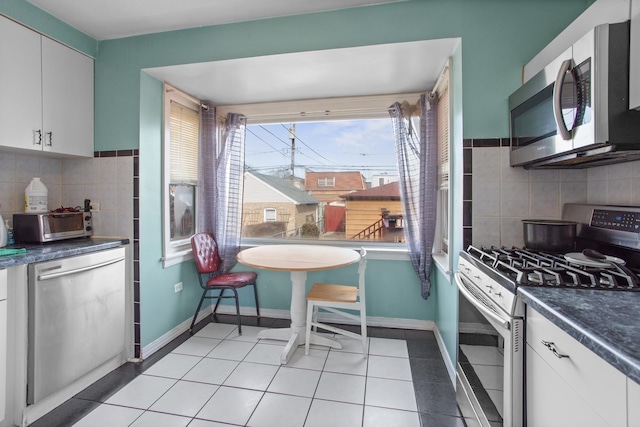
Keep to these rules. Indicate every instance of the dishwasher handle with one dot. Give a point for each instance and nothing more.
(79, 270)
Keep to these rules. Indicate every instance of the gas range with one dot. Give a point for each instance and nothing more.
(491, 312)
(513, 267)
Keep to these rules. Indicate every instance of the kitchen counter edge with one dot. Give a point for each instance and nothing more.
(60, 249)
(603, 321)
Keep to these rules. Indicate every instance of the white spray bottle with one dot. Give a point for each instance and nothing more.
(3, 232)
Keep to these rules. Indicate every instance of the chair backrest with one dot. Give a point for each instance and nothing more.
(361, 268)
(205, 253)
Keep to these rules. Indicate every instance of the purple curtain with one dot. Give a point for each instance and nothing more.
(417, 156)
(221, 171)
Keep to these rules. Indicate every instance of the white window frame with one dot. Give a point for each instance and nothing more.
(356, 108)
(327, 182)
(266, 215)
(442, 243)
(177, 251)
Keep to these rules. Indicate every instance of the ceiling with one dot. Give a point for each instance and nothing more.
(361, 71)
(332, 73)
(111, 19)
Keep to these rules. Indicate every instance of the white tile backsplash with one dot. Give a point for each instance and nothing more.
(545, 200)
(522, 193)
(486, 165)
(105, 180)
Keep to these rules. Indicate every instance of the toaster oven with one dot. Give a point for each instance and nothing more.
(51, 226)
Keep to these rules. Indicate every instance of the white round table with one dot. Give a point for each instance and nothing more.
(297, 259)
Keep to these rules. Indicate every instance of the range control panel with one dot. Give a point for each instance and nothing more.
(616, 220)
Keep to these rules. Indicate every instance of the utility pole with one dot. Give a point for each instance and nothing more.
(292, 137)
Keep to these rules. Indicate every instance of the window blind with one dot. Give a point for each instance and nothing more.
(443, 136)
(184, 125)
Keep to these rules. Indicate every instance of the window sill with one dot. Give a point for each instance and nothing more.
(375, 251)
(177, 257)
(442, 263)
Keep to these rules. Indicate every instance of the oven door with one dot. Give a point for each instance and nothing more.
(490, 360)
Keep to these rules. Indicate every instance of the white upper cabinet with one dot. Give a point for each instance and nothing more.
(20, 75)
(67, 100)
(47, 102)
(600, 12)
(634, 70)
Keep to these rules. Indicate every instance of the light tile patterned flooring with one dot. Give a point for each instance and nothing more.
(219, 378)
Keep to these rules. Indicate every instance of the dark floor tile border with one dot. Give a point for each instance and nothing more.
(67, 414)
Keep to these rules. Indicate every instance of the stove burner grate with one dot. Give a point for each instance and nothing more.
(532, 268)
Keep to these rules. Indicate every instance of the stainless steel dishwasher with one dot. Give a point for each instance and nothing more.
(76, 318)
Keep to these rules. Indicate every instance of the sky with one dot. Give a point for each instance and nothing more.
(343, 145)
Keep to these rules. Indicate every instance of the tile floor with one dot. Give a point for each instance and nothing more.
(218, 378)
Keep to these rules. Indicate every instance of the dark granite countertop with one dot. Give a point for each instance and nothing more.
(606, 322)
(60, 249)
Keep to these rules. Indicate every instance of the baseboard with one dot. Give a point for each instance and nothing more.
(383, 322)
(174, 333)
(445, 356)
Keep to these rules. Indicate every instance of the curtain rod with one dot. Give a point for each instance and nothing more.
(191, 98)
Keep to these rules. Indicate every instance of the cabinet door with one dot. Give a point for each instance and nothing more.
(551, 402)
(633, 397)
(634, 70)
(593, 379)
(67, 96)
(20, 86)
(3, 343)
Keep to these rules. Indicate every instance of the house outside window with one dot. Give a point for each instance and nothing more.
(180, 174)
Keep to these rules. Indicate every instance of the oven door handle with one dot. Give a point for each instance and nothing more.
(505, 323)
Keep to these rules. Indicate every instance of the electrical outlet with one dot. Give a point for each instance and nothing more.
(95, 207)
(177, 287)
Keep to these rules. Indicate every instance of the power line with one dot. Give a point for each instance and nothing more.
(254, 134)
(307, 145)
(274, 135)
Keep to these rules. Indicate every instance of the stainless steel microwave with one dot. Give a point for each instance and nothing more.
(51, 226)
(575, 112)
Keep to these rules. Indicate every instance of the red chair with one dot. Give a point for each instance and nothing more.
(208, 262)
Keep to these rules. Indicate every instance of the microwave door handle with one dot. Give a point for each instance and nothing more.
(557, 101)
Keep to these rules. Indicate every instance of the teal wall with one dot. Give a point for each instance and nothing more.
(31, 16)
(498, 37)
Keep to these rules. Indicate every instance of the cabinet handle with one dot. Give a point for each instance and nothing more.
(50, 139)
(38, 140)
(552, 347)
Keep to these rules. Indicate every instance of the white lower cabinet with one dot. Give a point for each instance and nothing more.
(633, 403)
(567, 384)
(3, 343)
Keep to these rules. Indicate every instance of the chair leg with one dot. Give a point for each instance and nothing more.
(255, 292)
(363, 333)
(215, 309)
(195, 316)
(315, 317)
(235, 293)
(310, 309)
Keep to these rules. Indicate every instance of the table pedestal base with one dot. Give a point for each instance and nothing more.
(295, 335)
